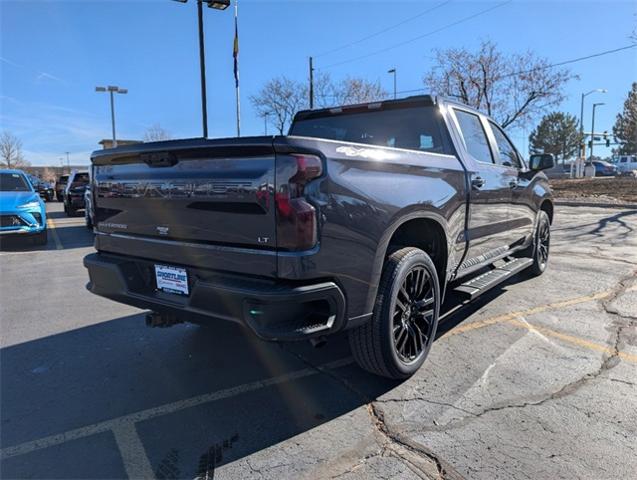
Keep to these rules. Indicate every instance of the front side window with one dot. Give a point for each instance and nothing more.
(13, 182)
(508, 154)
(474, 136)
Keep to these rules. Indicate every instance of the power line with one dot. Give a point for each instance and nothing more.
(392, 47)
(574, 60)
(545, 67)
(380, 32)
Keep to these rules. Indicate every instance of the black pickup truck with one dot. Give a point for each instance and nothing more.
(362, 218)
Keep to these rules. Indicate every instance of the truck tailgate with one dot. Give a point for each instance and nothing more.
(200, 201)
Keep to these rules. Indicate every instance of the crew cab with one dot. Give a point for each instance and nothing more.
(363, 219)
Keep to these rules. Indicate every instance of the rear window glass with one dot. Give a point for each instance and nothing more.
(414, 128)
(13, 182)
(80, 178)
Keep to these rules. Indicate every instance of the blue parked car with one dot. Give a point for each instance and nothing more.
(22, 211)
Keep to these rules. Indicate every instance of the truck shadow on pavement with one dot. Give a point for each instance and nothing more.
(198, 397)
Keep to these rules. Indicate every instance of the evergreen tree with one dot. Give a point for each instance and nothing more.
(557, 133)
(625, 129)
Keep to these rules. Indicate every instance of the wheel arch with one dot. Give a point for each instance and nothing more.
(547, 206)
(421, 229)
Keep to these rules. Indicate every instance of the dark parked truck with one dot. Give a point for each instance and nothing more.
(362, 218)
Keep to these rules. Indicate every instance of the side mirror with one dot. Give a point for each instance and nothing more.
(541, 161)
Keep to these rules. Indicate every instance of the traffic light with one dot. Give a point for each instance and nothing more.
(606, 138)
(590, 144)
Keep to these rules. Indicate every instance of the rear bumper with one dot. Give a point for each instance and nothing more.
(273, 310)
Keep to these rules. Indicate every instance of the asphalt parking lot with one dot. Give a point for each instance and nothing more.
(535, 380)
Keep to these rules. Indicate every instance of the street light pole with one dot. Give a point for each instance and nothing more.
(217, 5)
(265, 122)
(595, 105)
(582, 151)
(112, 89)
(202, 68)
(393, 70)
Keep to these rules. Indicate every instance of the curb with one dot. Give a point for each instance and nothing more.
(573, 203)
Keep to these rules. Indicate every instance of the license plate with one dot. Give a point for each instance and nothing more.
(171, 279)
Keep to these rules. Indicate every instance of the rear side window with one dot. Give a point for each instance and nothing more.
(413, 128)
(474, 136)
(508, 154)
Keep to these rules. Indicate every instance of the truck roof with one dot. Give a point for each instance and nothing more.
(424, 100)
(416, 100)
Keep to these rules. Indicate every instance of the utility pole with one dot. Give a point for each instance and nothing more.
(68, 163)
(311, 83)
(265, 123)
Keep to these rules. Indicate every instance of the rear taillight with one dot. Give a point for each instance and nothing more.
(295, 217)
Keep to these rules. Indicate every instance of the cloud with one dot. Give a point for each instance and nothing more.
(43, 76)
(48, 131)
(10, 62)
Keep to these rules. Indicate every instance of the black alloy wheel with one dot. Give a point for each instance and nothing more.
(541, 245)
(396, 340)
(413, 314)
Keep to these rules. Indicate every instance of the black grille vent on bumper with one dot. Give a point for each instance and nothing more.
(11, 221)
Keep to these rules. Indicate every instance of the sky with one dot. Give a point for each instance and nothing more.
(54, 52)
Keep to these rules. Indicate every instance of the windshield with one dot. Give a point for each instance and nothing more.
(13, 182)
(414, 128)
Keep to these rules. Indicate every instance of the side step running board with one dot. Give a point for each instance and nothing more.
(486, 281)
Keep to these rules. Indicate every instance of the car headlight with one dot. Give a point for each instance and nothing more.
(32, 204)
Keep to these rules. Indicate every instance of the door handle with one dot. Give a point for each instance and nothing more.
(478, 182)
(514, 183)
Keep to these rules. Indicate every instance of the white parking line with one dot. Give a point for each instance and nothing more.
(132, 418)
(132, 451)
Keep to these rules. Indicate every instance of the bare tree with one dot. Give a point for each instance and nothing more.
(354, 90)
(11, 151)
(48, 175)
(156, 133)
(280, 99)
(513, 89)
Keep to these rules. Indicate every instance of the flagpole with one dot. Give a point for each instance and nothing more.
(236, 59)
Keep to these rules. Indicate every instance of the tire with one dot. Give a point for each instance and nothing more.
(401, 313)
(539, 251)
(70, 211)
(41, 238)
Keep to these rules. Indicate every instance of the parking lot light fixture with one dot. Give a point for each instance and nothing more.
(219, 4)
(112, 89)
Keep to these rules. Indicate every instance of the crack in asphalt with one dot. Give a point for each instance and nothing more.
(400, 445)
(619, 290)
(444, 470)
(609, 361)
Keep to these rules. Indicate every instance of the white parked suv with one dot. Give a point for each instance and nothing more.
(627, 164)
